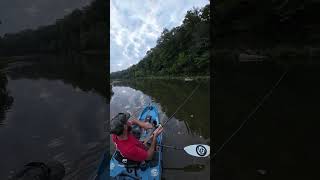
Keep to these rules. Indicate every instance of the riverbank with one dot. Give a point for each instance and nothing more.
(280, 54)
(26, 56)
(19, 57)
(188, 78)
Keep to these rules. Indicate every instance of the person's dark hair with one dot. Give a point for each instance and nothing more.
(117, 123)
(118, 131)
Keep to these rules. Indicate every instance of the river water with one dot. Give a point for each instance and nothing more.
(53, 108)
(191, 125)
(280, 140)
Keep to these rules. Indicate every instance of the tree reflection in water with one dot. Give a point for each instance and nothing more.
(6, 100)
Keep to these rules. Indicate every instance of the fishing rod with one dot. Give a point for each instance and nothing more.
(197, 150)
(181, 105)
(184, 102)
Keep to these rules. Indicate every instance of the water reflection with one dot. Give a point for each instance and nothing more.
(279, 141)
(59, 113)
(170, 94)
(5, 99)
(190, 125)
(84, 72)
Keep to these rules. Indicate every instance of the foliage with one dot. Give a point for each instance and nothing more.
(183, 50)
(251, 24)
(81, 30)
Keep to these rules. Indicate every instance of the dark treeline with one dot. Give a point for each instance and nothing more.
(275, 29)
(183, 50)
(82, 30)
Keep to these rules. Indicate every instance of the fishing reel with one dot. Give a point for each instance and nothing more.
(148, 119)
(154, 123)
(158, 126)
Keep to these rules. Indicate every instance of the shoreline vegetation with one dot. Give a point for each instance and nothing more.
(192, 78)
(83, 31)
(16, 58)
(280, 31)
(305, 54)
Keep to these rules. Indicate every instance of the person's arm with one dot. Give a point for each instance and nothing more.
(152, 148)
(144, 125)
(154, 143)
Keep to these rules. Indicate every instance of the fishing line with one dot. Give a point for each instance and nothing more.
(251, 114)
(184, 102)
(134, 114)
(194, 90)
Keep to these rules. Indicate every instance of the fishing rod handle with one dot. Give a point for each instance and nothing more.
(148, 138)
(151, 136)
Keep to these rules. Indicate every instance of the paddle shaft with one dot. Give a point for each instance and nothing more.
(173, 147)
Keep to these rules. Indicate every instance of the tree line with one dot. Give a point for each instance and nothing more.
(181, 51)
(82, 30)
(280, 30)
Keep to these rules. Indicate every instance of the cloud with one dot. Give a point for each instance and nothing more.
(135, 27)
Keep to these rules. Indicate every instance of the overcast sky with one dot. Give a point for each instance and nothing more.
(137, 24)
(17, 15)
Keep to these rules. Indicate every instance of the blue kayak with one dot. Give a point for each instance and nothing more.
(125, 169)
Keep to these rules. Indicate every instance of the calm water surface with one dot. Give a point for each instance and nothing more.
(53, 108)
(281, 140)
(190, 125)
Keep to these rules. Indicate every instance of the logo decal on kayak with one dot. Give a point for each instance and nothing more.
(154, 172)
(201, 150)
(112, 166)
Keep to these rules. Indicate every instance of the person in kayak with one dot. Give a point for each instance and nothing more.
(127, 144)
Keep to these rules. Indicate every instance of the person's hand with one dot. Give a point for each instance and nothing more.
(148, 126)
(157, 131)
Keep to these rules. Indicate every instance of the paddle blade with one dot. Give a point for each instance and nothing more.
(198, 150)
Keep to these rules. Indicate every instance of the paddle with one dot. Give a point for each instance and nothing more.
(197, 150)
(189, 168)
